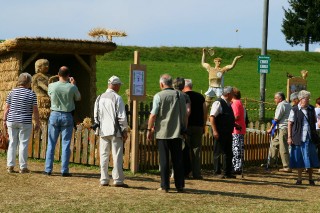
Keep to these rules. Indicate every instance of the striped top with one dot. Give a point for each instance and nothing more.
(21, 102)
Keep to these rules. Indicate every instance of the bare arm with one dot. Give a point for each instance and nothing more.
(203, 63)
(36, 117)
(214, 127)
(205, 111)
(231, 66)
(152, 119)
(290, 132)
(5, 114)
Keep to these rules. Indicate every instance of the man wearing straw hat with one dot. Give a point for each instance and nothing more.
(62, 93)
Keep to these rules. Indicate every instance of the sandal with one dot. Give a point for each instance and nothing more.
(299, 182)
(311, 183)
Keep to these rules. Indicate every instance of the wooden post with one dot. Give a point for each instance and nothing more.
(135, 133)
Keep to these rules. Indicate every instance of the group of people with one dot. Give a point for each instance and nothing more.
(177, 121)
(295, 134)
(21, 105)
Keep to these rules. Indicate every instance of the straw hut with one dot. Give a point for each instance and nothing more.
(19, 55)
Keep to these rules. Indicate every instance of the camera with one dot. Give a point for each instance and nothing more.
(95, 126)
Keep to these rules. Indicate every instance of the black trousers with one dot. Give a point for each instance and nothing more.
(175, 148)
(223, 151)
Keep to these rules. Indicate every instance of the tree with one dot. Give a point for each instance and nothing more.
(301, 23)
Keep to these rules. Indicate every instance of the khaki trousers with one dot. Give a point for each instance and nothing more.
(280, 146)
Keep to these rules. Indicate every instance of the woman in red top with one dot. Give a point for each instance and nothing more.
(238, 132)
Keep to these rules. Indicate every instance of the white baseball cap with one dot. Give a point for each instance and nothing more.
(114, 80)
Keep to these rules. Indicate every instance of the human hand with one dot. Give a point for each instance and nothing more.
(269, 131)
(216, 135)
(72, 81)
(289, 140)
(124, 136)
(150, 135)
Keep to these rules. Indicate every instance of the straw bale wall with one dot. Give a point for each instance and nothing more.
(9, 71)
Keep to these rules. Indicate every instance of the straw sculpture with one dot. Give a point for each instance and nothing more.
(99, 33)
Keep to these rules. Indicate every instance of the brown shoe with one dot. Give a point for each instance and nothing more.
(10, 169)
(123, 185)
(24, 171)
(285, 170)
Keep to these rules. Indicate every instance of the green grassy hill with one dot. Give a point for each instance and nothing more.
(186, 62)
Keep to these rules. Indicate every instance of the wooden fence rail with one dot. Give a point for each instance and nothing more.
(85, 148)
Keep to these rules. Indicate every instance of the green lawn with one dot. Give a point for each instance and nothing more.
(186, 62)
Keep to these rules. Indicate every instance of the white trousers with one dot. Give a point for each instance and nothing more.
(116, 145)
(19, 134)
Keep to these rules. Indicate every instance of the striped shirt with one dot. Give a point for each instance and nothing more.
(21, 102)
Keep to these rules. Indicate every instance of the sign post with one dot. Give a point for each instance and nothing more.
(263, 64)
(137, 89)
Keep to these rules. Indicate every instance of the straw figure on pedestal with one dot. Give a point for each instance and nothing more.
(99, 33)
(40, 87)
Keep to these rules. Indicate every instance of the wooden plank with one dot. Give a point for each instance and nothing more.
(44, 139)
(126, 158)
(92, 143)
(72, 144)
(84, 154)
(83, 63)
(28, 61)
(97, 152)
(30, 145)
(58, 149)
(78, 146)
(36, 144)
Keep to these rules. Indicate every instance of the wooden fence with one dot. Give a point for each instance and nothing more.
(85, 148)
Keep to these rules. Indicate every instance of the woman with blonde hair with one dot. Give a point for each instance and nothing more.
(21, 103)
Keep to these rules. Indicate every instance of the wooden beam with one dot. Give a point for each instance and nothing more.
(135, 131)
(83, 63)
(30, 59)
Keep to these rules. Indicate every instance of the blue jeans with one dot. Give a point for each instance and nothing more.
(59, 122)
(19, 134)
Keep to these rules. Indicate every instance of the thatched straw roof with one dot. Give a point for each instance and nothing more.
(55, 45)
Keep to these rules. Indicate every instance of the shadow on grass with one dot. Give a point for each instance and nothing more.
(240, 195)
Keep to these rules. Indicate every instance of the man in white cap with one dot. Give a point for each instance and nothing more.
(109, 112)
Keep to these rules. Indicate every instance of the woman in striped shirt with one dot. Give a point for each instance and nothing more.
(21, 103)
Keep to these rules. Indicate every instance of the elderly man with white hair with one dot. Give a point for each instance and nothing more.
(222, 122)
(109, 112)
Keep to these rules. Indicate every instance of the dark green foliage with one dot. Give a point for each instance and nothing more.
(302, 22)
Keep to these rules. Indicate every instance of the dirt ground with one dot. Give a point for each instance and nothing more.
(258, 191)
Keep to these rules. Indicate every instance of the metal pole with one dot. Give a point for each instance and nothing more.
(264, 52)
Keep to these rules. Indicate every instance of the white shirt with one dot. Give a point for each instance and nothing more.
(216, 108)
(111, 110)
(305, 127)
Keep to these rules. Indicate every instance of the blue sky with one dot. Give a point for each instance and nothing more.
(191, 23)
